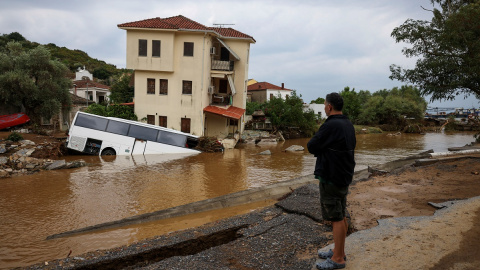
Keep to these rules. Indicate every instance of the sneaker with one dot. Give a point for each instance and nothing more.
(327, 254)
(329, 265)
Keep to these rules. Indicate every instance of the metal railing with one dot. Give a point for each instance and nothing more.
(222, 65)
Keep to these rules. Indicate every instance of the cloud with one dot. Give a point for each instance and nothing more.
(313, 46)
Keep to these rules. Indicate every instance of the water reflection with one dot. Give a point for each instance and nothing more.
(35, 206)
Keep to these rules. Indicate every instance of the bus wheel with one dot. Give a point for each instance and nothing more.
(108, 152)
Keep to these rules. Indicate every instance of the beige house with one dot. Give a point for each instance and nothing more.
(188, 76)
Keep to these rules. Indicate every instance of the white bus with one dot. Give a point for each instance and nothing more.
(98, 135)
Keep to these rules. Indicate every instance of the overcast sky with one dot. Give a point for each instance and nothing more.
(313, 46)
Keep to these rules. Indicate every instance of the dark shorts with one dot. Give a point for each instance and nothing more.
(333, 200)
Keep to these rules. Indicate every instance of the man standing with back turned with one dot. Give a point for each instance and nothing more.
(333, 145)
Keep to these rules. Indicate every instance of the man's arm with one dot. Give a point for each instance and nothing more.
(320, 140)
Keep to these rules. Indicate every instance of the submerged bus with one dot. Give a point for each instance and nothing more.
(98, 135)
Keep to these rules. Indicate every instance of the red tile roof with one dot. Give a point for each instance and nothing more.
(265, 85)
(182, 22)
(83, 84)
(230, 32)
(79, 100)
(231, 112)
(177, 22)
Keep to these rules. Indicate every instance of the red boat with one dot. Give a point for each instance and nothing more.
(11, 120)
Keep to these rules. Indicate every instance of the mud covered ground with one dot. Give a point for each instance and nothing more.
(53, 145)
(406, 191)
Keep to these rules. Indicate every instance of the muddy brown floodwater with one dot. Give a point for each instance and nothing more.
(33, 207)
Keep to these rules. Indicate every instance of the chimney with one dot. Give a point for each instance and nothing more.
(283, 85)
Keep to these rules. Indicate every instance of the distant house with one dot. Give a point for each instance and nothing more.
(263, 91)
(188, 76)
(84, 86)
(318, 109)
(93, 91)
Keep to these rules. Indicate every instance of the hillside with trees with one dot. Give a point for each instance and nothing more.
(72, 59)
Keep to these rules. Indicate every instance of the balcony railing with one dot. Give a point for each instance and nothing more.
(220, 100)
(222, 65)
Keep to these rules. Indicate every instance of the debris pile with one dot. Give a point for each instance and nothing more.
(25, 157)
(209, 144)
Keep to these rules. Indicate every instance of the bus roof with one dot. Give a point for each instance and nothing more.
(141, 124)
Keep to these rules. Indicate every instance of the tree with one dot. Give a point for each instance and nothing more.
(319, 100)
(251, 107)
(285, 113)
(393, 106)
(351, 104)
(450, 50)
(32, 80)
(102, 73)
(121, 91)
(119, 111)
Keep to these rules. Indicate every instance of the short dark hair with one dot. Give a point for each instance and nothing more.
(335, 100)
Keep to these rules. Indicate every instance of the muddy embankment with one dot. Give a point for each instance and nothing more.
(32, 154)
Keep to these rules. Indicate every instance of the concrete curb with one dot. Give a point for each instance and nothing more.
(274, 191)
(455, 153)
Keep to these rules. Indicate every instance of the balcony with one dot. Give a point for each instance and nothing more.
(222, 65)
(220, 99)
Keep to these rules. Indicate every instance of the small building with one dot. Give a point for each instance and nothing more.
(260, 121)
(93, 91)
(262, 92)
(82, 73)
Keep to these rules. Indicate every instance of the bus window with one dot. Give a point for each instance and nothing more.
(144, 133)
(90, 121)
(118, 127)
(171, 138)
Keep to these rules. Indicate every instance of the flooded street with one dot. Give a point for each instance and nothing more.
(35, 206)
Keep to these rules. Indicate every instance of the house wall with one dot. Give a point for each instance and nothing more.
(242, 49)
(96, 92)
(167, 50)
(216, 125)
(175, 67)
(318, 109)
(83, 73)
(196, 69)
(282, 93)
(259, 96)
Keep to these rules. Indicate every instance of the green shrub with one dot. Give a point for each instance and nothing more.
(14, 137)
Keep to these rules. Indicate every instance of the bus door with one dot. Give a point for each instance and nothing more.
(139, 147)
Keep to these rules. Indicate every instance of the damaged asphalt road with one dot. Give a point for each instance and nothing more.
(284, 236)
